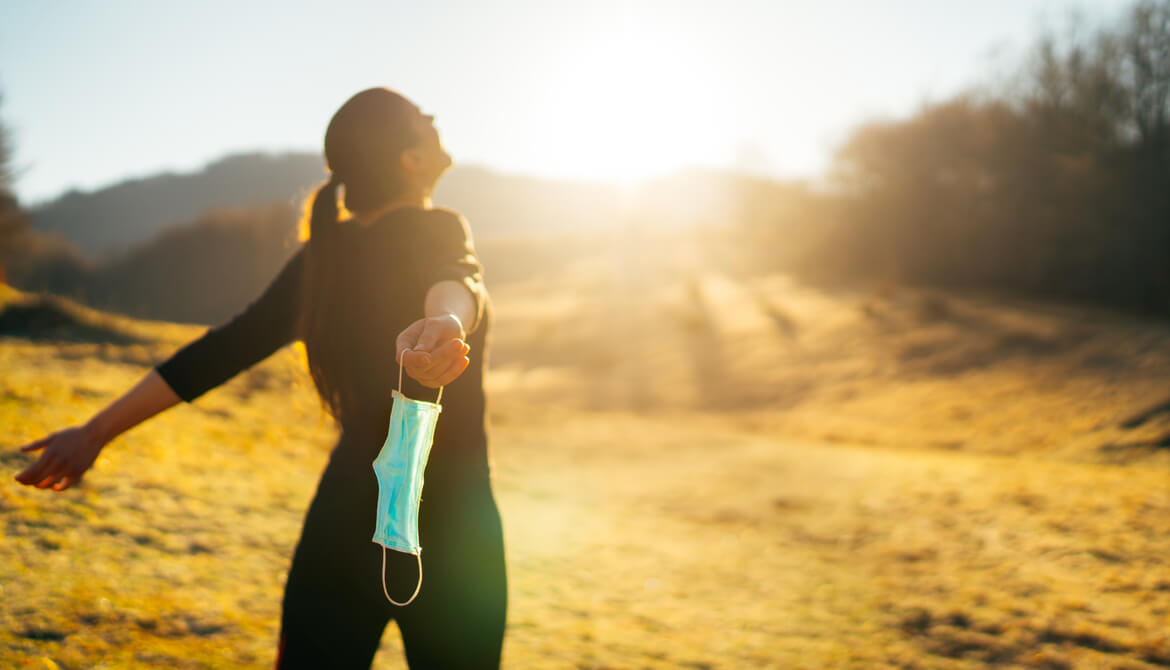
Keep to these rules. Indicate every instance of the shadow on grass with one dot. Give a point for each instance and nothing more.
(50, 318)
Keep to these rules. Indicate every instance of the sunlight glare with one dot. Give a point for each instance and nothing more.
(633, 103)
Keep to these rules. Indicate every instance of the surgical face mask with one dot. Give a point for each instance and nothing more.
(399, 468)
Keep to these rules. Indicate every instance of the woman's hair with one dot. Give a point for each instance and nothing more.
(363, 145)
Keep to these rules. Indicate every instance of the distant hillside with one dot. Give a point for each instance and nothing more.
(200, 271)
(110, 220)
(499, 205)
(148, 262)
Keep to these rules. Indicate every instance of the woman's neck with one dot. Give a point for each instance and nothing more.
(365, 218)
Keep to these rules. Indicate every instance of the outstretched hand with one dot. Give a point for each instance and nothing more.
(433, 351)
(66, 457)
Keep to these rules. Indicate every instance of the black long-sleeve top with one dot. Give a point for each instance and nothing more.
(391, 263)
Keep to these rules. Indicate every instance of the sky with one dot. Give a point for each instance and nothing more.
(97, 92)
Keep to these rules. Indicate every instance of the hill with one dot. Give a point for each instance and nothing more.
(108, 221)
(202, 271)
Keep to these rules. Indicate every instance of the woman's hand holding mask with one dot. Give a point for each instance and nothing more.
(437, 351)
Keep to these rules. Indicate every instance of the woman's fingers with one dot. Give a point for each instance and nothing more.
(39, 444)
(47, 468)
(67, 482)
(417, 363)
(49, 481)
(442, 357)
(37, 471)
(428, 334)
(428, 367)
(447, 375)
(437, 330)
(57, 478)
(54, 470)
(408, 338)
(46, 471)
(453, 371)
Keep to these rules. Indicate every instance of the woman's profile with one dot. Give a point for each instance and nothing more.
(396, 274)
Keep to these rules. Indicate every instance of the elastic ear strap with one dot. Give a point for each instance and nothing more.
(417, 587)
(402, 364)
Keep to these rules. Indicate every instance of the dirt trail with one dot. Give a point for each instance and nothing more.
(653, 323)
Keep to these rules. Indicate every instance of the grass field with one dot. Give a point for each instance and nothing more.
(695, 469)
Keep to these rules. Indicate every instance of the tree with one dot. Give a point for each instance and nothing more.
(13, 224)
(1059, 188)
(1146, 47)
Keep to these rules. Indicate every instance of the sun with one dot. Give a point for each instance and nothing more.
(627, 103)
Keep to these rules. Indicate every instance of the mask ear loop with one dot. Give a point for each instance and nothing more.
(417, 587)
(401, 366)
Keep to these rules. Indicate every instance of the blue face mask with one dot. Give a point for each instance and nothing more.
(399, 468)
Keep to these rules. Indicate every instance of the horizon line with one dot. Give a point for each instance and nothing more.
(71, 189)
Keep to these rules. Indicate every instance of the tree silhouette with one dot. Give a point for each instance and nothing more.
(1060, 189)
(12, 221)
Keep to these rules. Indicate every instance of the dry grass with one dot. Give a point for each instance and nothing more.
(695, 471)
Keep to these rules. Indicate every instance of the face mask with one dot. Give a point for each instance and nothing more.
(399, 468)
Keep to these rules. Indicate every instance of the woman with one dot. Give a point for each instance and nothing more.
(396, 275)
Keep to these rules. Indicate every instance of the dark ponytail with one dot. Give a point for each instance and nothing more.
(324, 214)
(319, 278)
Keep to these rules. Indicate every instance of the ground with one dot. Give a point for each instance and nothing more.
(696, 469)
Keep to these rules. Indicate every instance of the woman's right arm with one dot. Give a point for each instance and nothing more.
(265, 325)
(67, 454)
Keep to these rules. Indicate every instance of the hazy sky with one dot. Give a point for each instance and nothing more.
(96, 92)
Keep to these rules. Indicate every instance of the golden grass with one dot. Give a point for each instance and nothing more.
(695, 470)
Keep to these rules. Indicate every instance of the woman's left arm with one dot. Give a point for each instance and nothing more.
(434, 350)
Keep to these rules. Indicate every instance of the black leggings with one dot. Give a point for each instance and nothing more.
(334, 611)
